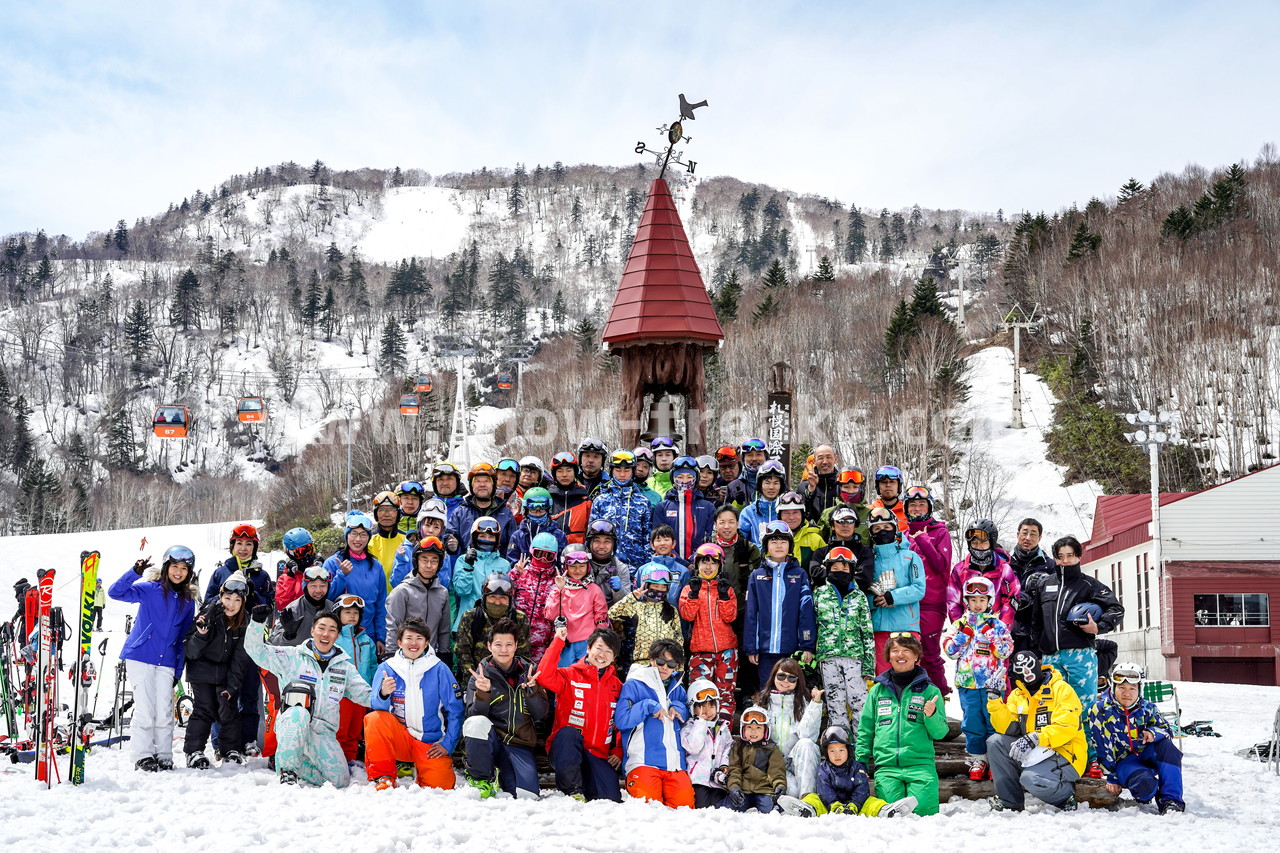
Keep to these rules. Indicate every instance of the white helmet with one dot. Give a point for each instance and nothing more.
(433, 508)
(532, 462)
(791, 500)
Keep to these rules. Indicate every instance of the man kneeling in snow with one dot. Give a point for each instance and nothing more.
(315, 677)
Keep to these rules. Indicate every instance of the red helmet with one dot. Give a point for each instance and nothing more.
(247, 532)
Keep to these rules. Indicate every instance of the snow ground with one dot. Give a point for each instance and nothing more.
(1230, 800)
(1032, 484)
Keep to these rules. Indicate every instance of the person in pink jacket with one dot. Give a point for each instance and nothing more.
(930, 538)
(577, 603)
(984, 559)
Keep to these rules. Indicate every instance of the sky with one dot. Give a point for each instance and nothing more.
(112, 111)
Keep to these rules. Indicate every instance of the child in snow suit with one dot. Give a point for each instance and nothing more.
(771, 481)
(646, 614)
(153, 653)
(479, 561)
(706, 737)
(899, 585)
(533, 581)
(359, 646)
(980, 643)
(537, 519)
(663, 543)
(795, 719)
(843, 784)
(577, 602)
(431, 522)
(779, 617)
(930, 538)
(652, 709)
(315, 677)
(1134, 742)
(216, 661)
(805, 538)
(846, 641)
(710, 604)
(417, 713)
(757, 774)
(902, 718)
(421, 597)
(582, 746)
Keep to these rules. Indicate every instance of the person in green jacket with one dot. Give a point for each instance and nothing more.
(846, 641)
(902, 718)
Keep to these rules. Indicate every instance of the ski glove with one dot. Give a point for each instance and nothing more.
(817, 575)
(142, 565)
(719, 776)
(470, 557)
(615, 582)
(995, 694)
(261, 612)
(1022, 747)
(695, 587)
(724, 592)
(737, 797)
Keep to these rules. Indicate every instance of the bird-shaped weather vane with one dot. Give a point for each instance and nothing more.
(675, 134)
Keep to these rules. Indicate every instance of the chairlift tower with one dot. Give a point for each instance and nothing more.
(1019, 318)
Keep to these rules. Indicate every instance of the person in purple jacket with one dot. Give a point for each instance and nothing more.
(153, 656)
(930, 538)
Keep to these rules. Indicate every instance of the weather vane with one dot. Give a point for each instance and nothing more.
(674, 133)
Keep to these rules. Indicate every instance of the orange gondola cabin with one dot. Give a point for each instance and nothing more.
(171, 422)
(251, 410)
(422, 384)
(504, 381)
(409, 405)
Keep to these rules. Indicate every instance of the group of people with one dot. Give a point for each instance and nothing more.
(688, 629)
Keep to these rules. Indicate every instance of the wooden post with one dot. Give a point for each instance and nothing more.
(779, 419)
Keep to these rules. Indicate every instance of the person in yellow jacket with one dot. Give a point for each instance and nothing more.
(1039, 745)
(387, 535)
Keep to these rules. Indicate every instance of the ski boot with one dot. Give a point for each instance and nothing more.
(148, 764)
(578, 795)
(1071, 804)
(197, 761)
(288, 777)
(164, 764)
(998, 805)
(898, 808)
(486, 788)
(383, 783)
(232, 757)
(1094, 771)
(1171, 806)
(796, 806)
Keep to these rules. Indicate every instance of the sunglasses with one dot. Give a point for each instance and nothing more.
(316, 573)
(351, 601)
(787, 677)
(977, 536)
(848, 518)
(667, 663)
(852, 476)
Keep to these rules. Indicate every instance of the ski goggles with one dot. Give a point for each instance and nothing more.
(543, 555)
(917, 493)
(180, 554)
(622, 459)
(411, 487)
(662, 442)
(851, 476)
(576, 558)
(445, 468)
(304, 551)
(497, 584)
(976, 535)
(754, 718)
(486, 524)
(901, 635)
(775, 527)
(772, 468)
(592, 445)
(601, 527)
(350, 600)
(752, 444)
(726, 454)
(888, 472)
(837, 555)
(707, 694)
(509, 465)
(360, 521)
(237, 587)
(844, 516)
(669, 664)
(562, 459)
(975, 587)
(316, 573)
(662, 576)
(1128, 675)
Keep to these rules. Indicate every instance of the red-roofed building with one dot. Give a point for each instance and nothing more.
(662, 323)
(1206, 615)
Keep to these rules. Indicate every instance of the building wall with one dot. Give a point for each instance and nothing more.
(1234, 521)
(1213, 653)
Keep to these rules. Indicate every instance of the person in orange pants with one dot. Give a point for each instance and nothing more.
(417, 713)
(652, 708)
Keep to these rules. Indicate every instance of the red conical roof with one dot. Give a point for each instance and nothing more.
(661, 296)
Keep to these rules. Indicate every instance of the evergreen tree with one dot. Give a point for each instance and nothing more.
(137, 333)
(393, 353)
(898, 230)
(313, 299)
(515, 198)
(575, 214)
(185, 310)
(727, 298)
(1083, 242)
(776, 276)
(39, 502)
(397, 177)
(901, 328)
(44, 273)
(22, 448)
(856, 238)
(122, 451)
(1132, 189)
(584, 334)
(765, 309)
(559, 311)
(825, 271)
(925, 301)
(329, 313)
(357, 288)
(120, 238)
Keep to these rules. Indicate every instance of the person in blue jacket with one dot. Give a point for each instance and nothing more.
(417, 713)
(899, 580)
(153, 652)
(472, 568)
(1134, 742)
(652, 708)
(536, 505)
(483, 502)
(621, 501)
(771, 481)
(779, 607)
(356, 571)
(431, 521)
(689, 515)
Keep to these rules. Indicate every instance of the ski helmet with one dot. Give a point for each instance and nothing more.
(386, 498)
(684, 464)
(482, 469)
(889, 472)
(561, 460)
(347, 601)
(532, 462)
(441, 469)
(297, 537)
(433, 508)
(708, 463)
(663, 442)
(754, 715)
(979, 585)
(536, 497)
(247, 532)
(622, 459)
(411, 487)
(1127, 672)
(179, 554)
(982, 530)
(881, 515)
(771, 468)
(1079, 614)
(546, 543)
(703, 690)
(574, 553)
(655, 573)
(918, 493)
(791, 500)
(839, 554)
(601, 527)
(496, 584)
(752, 444)
(506, 463)
(776, 530)
(833, 734)
(845, 515)
(429, 545)
(357, 520)
(593, 445)
(709, 549)
(644, 453)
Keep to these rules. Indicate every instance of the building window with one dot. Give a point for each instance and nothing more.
(1142, 589)
(1117, 586)
(1233, 610)
(1146, 588)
